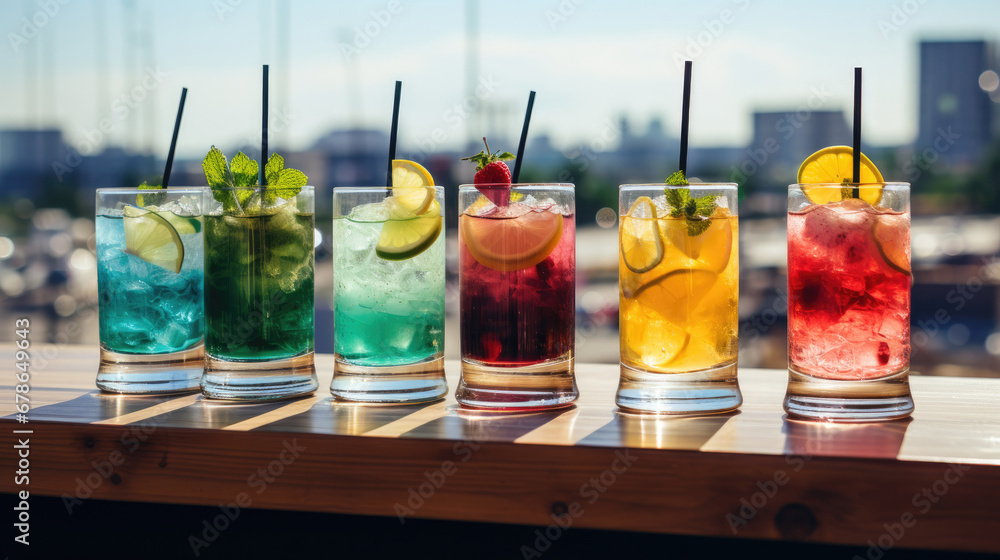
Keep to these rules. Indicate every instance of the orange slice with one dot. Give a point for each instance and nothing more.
(833, 166)
(512, 243)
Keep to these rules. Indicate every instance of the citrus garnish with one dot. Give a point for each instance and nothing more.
(405, 234)
(833, 166)
(508, 244)
(412, 185)
(713, 248)
(640, 242)
(891, 234)
(653, 340)
(150, 237)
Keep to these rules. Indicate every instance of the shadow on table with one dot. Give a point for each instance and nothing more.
(880, 440)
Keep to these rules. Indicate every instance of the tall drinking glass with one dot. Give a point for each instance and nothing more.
(849, 303)
(259, 295)
(517, 281)
(388, 295)
(678, 267)
(149, 279)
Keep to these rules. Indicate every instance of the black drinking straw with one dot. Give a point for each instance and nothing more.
(685, 117)
(392, 133)
(857, 133)
(173, 140)
(524, 138)
(263, 133)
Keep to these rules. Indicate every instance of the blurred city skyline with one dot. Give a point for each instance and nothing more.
(333, 67)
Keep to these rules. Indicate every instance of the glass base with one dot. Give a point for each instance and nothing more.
(707, 391)
(259, 381)
(411, 383)
(151, 374)
(836, 400)
(536, 387)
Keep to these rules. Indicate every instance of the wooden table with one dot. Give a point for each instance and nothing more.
(930, 482)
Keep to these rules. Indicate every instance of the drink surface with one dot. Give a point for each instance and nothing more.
(145, 308)
(386, 312)
(849, 290)
(259, 285)
(682, 315)
(517, 297)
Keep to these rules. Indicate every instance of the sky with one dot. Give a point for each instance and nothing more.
(590, 62)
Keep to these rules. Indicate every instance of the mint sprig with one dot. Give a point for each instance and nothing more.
(244, 172)
(151, 199)
(696, 211)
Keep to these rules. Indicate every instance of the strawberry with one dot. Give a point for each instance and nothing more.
(492, 175)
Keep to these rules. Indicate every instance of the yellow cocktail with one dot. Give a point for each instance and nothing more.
(679, 294)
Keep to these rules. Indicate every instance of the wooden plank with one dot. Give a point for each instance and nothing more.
(751, 473)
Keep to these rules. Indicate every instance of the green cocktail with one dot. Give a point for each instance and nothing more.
(259, 293)
(389, 287)
(258, 281)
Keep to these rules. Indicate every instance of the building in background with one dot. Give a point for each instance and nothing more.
(955, 105)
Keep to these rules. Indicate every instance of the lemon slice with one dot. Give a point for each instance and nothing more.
(509, 244)
(150, 237)
(412, 185)
(713, 248)
(406, 234)
(639, 237)
(651, 340)
(834, 166)
(891, 235)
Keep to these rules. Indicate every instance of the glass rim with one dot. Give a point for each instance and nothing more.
(133, 190)
(883, 184)
(551, 186)
(347, 189)
(646, 186)
(255, 188)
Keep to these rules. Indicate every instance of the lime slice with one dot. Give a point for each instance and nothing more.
(405, 234)
(891, 234)
(412, 186)
(833, 166)
(641, 246)
(150, 237)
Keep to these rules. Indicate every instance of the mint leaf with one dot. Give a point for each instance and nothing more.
(244, 169)
(273, 168)
(695, 211)
(289, 183)
(677, 178)
(678, 200)
(218, 177)
(705, 205)
(151, 199)
(697, 227)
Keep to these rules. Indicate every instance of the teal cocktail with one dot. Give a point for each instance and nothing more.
(150, 286)
(389, 287)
